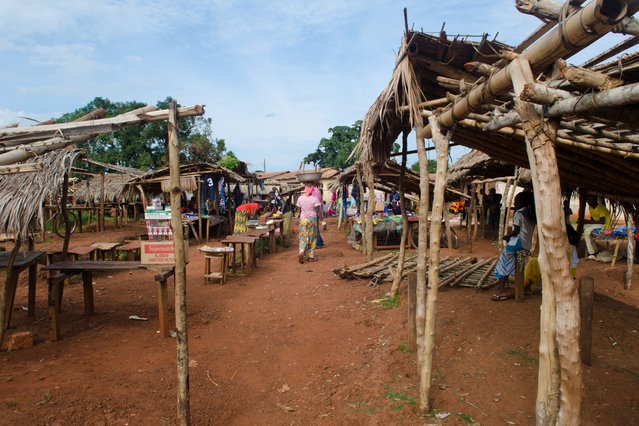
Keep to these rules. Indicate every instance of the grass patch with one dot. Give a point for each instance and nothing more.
(466, 418)
(389, 302)
(403, 347)
(522, 354)
(397, 396)
(397, 407)
(47, 398)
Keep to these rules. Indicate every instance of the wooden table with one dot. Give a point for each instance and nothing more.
(24, 260)
(130, 248)
(76, 252)
(102, 248)
(279, 223)
(246, 243)
(190, 223)
(86, 268)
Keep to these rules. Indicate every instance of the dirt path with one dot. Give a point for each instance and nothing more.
(295, 345)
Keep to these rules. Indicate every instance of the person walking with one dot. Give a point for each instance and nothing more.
(309, 206)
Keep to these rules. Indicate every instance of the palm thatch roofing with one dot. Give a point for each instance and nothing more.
(597, 149)
(116, 189)
(156, 181)
(387, 178)
(34, 161)
(23, 196)
(476, 164)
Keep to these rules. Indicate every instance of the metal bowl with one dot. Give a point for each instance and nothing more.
(309, 176)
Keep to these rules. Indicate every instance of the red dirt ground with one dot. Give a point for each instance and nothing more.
(293, 344)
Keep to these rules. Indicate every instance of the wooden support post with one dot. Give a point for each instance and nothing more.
(87, 286)
(199, 210)
(630, 253)
(402, 247)
(183, 404)
(163, 301)
(362, 211)
(8, 290)
(520, 266)
(483, 212)
(441, 145)
(502, 217)
(412, 304)
(368, 177)
(554, 242)
(469, 218)
(422, 249)
(586, 297)
(449, 235)
(65, 215)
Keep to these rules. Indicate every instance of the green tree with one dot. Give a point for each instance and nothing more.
(335, 150)
(432, 166)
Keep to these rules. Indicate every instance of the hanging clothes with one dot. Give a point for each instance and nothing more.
(207, 188)
(222, 194)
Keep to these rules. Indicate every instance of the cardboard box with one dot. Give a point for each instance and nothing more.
(160, 252)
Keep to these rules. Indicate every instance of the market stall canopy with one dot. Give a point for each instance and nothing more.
(597, 142)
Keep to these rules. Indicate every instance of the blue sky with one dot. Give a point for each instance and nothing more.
(274, 75)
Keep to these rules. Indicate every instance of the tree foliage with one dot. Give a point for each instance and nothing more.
(432, 166)
(144, 146)
(335, 150)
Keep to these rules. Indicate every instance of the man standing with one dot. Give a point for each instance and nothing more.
(599, 218)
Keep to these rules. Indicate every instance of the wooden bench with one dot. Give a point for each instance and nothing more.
(86, 268)
(75, 252)
(23, 260)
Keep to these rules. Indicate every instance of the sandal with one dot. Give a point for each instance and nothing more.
(312, 259)
(503, 296)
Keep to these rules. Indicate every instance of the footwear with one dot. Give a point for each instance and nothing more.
(312, 259)
(301, 257)
(592, 257)
(502, 296)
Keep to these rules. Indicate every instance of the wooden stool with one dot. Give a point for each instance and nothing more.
(221, 253)
(247, 246)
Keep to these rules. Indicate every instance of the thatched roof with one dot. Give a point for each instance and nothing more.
(115, 189)
(597, 149)
(387, 177)
(474, 165)
(22, 196)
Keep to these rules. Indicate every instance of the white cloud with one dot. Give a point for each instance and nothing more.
(68, 58)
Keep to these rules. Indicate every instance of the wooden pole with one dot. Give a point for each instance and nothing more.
(441, 145)
(553, 239)
(183, 404)
(402, 247)
(449, 236)
(199, 209)
(630, 252)
(65, 215)
(586, 296)
(101, 221)
(502, 216)
(412, 306)
(469, 217)
(422, 250)
(368, 177)
(9, 279)
(358, 170)
(483, 212)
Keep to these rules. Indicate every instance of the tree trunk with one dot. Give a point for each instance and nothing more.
(183, 404)
(554, 241)
(441, 145)
(402, 247)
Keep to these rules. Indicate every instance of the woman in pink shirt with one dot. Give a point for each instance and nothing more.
(308, 205)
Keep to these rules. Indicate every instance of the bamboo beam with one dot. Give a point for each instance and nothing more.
(183, 403)
(614, 50)
(547, 9)
(554, 242)
(589, 78)
(21, 168)
(441, 143)
(578, 30)
(84, 128)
